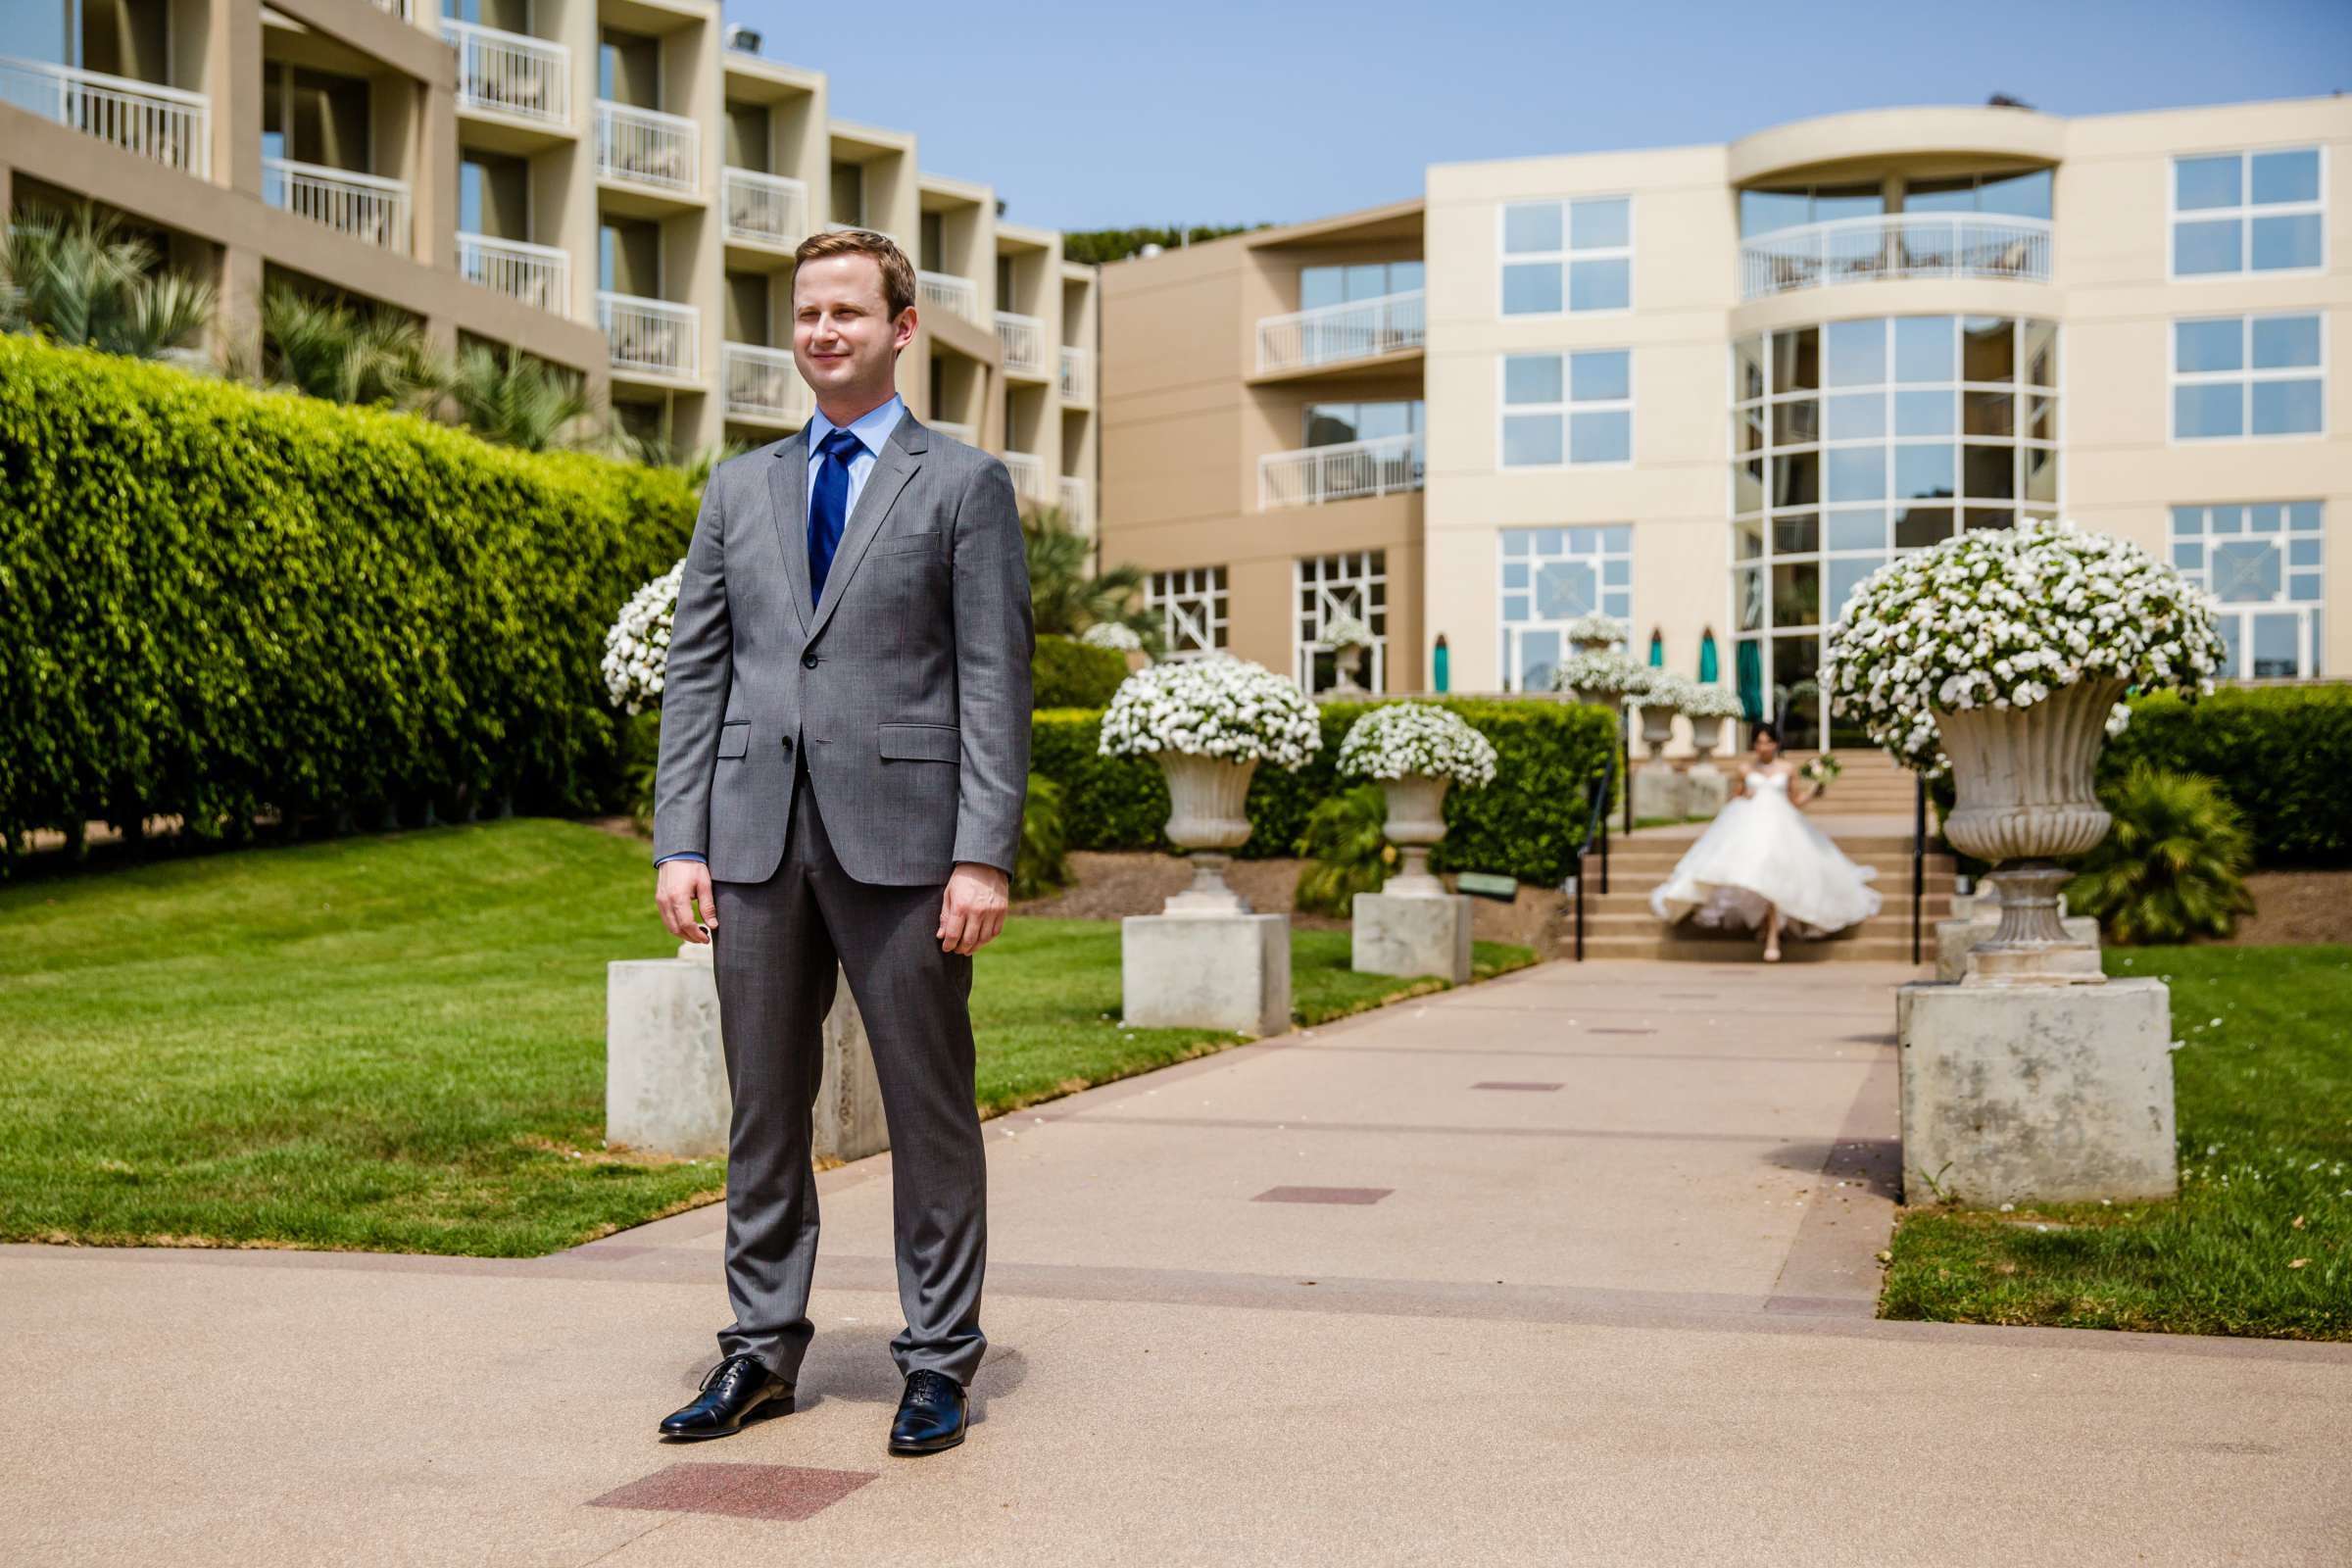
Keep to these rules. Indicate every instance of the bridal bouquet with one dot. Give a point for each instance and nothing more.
(1821, 770)
(637, 647)
(1398, 740)
(1221, 707)
(1602, 674)
(2003, 618)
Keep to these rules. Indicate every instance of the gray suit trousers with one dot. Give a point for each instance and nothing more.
(774, 952)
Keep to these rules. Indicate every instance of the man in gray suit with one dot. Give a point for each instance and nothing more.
(845, 750)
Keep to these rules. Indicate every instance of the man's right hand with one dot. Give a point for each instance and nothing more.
(680, 885)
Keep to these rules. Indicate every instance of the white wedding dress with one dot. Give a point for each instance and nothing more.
(1759, 851)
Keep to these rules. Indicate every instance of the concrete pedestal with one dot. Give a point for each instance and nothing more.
(1954, 938)
(665, 1073)
(1206, 971)
(1705, 789)
(1412, 935)
(2051, 1094)
(1658, 792)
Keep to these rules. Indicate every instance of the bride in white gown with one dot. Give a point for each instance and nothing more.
(1761, 864)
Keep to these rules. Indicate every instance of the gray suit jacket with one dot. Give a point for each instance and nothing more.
(907, 689)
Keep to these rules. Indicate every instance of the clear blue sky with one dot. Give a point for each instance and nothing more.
(1096, 116)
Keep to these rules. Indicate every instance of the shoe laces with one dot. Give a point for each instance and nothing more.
(724, 1367)
(927, 1386)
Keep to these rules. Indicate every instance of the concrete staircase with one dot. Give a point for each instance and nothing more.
(1868, 811)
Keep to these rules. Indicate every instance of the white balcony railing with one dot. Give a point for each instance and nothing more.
(1077, 503)
(397, 8)
(1023, 338)
(1077, 375)
(762, 384)
(968, 434)
(1331, 334)
(1029, 481)
(510, 72)
(647, 147)
(1380, 466)
(652, 337)
(958, 294)
(1896, 245)
(371, 208)
(163, 124)
(536, 274)
(765, 209)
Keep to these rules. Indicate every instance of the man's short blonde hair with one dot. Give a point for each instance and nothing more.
(898, 274)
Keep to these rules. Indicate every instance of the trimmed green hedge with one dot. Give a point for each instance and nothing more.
(215, 600)
(1526, 824)
(1065, 673)
(2283, 755)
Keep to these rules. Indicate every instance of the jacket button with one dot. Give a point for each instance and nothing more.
(807, 660)
(788, 742)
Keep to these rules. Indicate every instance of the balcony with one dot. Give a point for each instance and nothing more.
(765, 209)
(1341, 334)
(651, 339)
(1077, 375)
(1029, 480)
(762, 384)
(539, 276)
(648, 149)
(170, 127)
(1896, 245)
(396, 8)
(959, 295)
(510, 73)
(1023, 338)
(1346, 472)
(368, 208)
(1077, 504)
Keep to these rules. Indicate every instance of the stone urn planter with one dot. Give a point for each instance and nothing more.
(1207, 815)
(1706, 733)
(1416, 821)
(1347, 662)
(1657, 726)
(2023, 800)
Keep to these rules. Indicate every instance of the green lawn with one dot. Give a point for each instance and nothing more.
(2258, 1242)
(395, 1042)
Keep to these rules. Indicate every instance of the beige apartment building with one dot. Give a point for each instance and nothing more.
(616, 186)
(1710, 389)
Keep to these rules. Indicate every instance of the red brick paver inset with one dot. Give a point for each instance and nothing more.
(1537, 1087)
(738, 1490)
(1322, 1195)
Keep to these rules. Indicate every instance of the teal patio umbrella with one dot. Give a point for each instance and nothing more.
(1710, 669)
(1657, 650)
(1750, 658)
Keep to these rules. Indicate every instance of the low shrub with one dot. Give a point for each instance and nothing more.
(1040, 863)
(2282, 755)
(1065, 673)
(1346, 850)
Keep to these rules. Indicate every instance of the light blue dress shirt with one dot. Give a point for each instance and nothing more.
(872, 428)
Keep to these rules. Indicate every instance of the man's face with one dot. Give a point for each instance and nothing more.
(843, 338)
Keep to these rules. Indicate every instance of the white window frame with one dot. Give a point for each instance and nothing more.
(1565, 409)
(1193, 599)
(2309, 614)
(1363, 572)
(2246, 212)
(1564, 256)
(1535, 559)
(2244, 376)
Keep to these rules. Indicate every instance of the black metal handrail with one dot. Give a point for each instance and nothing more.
(1919, 857)
(1596, 828)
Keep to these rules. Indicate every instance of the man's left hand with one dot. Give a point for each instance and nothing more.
(973, 910)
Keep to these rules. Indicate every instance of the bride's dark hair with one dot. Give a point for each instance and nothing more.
(1764, 728)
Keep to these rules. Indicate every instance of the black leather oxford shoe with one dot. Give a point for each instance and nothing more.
(737, 1389)
(930, 1414)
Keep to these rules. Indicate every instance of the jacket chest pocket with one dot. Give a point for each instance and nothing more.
(924, 543)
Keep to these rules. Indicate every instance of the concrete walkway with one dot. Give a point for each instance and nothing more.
(1572, 1268)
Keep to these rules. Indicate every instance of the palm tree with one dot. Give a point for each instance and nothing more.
(508, 397)
(328, 350)
(81, 279)
(2173, 865)
(1065, 594)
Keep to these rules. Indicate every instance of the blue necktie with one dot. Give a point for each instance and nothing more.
(829, 508)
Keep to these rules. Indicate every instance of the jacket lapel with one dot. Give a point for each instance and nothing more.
(893, 465)
(788, 490)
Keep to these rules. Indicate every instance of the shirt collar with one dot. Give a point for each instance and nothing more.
(871, 427)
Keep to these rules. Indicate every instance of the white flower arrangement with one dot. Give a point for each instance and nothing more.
(1594, 627)
(637, 647)
(1711, 700)
(1218, 707)
(1602, 674)
(1396, 740)
(2002, 618)
(1668, 690)
(1112, 634)
(1347, 632)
